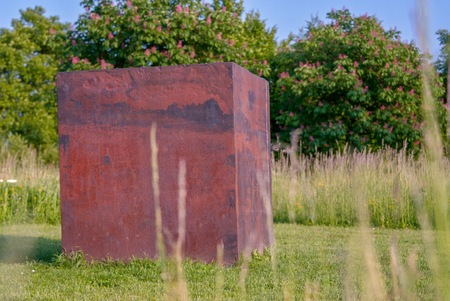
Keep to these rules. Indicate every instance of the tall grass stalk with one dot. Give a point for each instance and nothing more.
(29, 189)
(319, 190)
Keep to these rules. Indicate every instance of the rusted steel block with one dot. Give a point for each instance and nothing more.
(215, 116)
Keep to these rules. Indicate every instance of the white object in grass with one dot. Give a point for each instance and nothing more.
(11, 181)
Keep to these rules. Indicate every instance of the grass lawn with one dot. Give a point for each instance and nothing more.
(326, 263)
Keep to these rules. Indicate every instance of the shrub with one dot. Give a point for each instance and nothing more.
(351, 82)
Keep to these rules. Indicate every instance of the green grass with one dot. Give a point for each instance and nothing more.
(309, 260)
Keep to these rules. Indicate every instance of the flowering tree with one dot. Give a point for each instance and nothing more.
(28, 66)
(159, 33)
(352, 82)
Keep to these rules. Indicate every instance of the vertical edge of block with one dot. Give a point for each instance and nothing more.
(253, 178)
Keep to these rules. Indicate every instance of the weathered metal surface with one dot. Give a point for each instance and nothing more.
(215, 116)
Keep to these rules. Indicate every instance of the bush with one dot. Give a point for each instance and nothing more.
(160, 33)
(351, 82)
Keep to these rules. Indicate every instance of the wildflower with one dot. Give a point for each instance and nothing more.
(281, 112)
(417, 143)
(179, 9)
(147, 52)
(224, 8)
(159, 28)
(311, 138)
(150, 13)
(208, 20)
(129, 3)
(192, 55)
(386, 66)
(291, 114)
(390, 129)
(320, 104)
(52, 31)
(179, 44)
(330, 124)
(136, 19)
(74, 43)
(400, 89)
(75, 60)
(110, 36)
(186, 10)
(385, 126)
(219, 36)
(387, 88)
(265, 63)
(411, 92)
(232, 43)
(87, 8)
(234, 15)
(396, 104)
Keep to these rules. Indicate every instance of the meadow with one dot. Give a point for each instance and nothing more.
(347, 226)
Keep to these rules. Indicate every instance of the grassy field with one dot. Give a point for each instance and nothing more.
(314, 262)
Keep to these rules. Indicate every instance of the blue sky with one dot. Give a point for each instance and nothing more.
(287, 15)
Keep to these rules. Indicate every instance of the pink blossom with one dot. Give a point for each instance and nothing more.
(186, 10)
(245, 62)
(295, 81)
(385, 126)
(224, 8)
(283, 87)
(386, 66)
(351, 133)
(74, 43)
(405, 121)
(107, 20)
(311, 138)
(208, 20)
(387, 88)
(147, 51)
(320, 103)
(103, 64)
(356, 86)
(87, 8)
(281, 112)
(234, 15)
(150, 13)
(136, 19)
(129, 3)
(110, 36)
(232, 43)
(219, 36)
(52, 31)
(192, 55)
(179, 44)
(411, 92)
(179, 9)
(75, 60)
(93, 16)
(417, 143)
(244, 45)
(330, 124)
(159, 28)
(355, 64)
(154, 49)
(123, 45)
(265, 62)
(291, 114)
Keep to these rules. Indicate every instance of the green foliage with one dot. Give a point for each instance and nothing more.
(160, 33)
(28, 67)
(351, 82)
(442, 62)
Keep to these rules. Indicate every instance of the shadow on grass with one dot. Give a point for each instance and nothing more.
(21, 249)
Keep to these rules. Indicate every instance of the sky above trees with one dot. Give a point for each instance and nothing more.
(287, 15)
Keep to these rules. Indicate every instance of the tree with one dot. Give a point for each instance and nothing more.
(442, 63)
(350, 82)
(28, 67)
(163, 32)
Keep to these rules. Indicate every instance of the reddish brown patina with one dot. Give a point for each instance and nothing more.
(215, 116)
